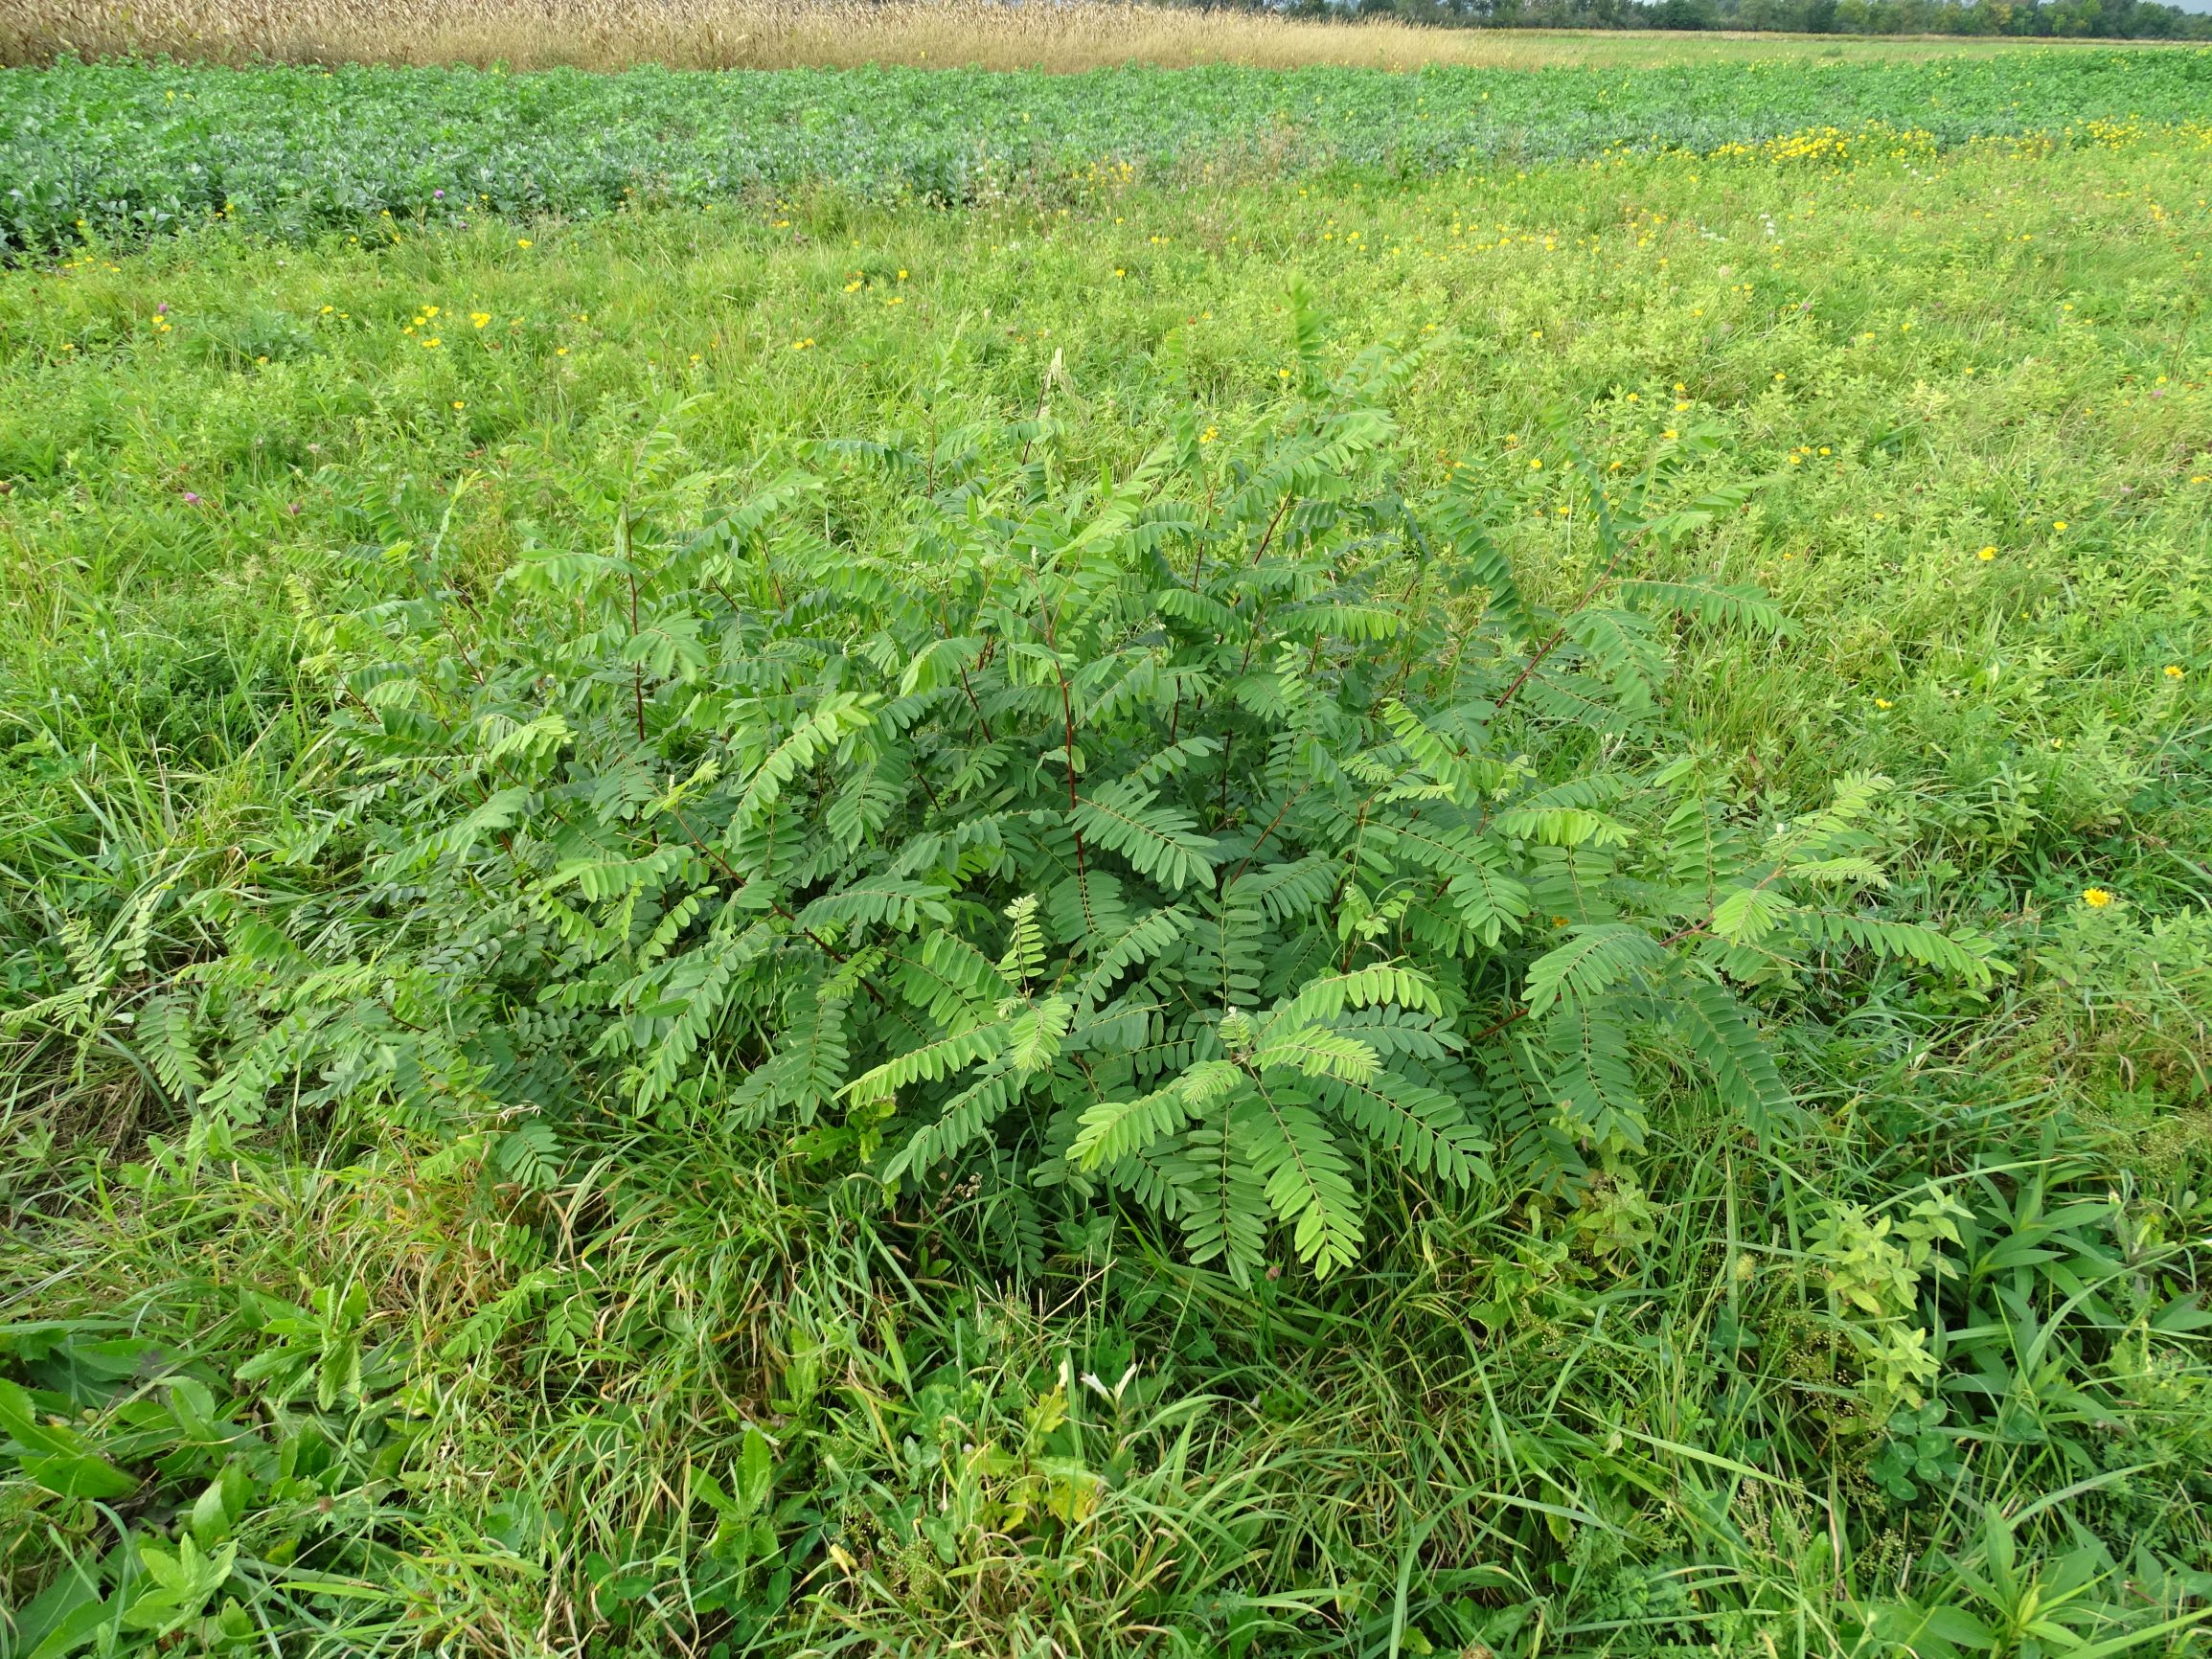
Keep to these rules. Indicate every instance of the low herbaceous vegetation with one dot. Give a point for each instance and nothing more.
(1211, 836)
(832, 931)
(118, 151)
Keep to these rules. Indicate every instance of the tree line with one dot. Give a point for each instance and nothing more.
(2042, 19)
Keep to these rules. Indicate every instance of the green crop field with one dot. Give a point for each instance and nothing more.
(117, 150)
(1192, 863)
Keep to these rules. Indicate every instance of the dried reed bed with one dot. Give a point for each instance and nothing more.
(1066, 36)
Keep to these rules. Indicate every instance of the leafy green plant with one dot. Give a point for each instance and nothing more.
(228, 1501)
(1873, 1265)
(1211, 836)
(1991, 1600)
(1921, 1453)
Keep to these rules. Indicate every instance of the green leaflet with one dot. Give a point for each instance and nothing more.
(1739, 1063)
(1594, 958)
(1117, 1129)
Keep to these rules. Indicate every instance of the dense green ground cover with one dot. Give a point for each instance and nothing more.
(1919, 1368)
(121, 149)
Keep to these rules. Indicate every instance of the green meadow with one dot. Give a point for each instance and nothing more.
(1460, 908)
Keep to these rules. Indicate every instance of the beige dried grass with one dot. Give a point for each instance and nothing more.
(1070, 35)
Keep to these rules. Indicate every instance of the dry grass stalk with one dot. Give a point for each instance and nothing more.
(1067, 35)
